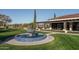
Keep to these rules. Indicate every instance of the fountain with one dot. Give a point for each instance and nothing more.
(31, 34)
(31, 37)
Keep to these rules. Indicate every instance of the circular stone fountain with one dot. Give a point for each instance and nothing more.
(30, 36)
(30, 39)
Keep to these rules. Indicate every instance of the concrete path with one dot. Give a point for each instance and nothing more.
(64, 33)
(52, 32)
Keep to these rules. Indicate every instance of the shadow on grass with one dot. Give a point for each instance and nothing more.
(9, 34)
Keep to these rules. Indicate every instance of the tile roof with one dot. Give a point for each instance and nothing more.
(63, 18)
(68, 16)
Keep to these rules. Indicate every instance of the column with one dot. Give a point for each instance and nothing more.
(70, 26)
(43, 26)
(65, 24)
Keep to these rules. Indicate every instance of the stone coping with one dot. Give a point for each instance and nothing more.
(46, 40)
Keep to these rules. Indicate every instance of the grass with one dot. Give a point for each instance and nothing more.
(61, 42)
(9, 33)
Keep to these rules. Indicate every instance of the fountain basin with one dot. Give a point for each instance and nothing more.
(28, 37)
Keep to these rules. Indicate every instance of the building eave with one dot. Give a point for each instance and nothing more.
(65, 19)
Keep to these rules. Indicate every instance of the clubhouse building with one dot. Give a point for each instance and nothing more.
(66, 23)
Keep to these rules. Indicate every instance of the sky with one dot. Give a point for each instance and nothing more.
(26, 15)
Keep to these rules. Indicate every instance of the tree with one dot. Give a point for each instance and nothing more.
(34, 20)
(5, 20)
(54, 15)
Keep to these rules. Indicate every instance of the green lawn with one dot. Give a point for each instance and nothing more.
(61, 42)
(9, 33)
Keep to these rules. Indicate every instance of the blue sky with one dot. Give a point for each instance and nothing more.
(26, 15)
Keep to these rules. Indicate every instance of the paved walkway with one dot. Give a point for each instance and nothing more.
(46, 40)
(51, 32)
(64, 33)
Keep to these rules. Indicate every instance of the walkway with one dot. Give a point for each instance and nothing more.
(52, 32)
